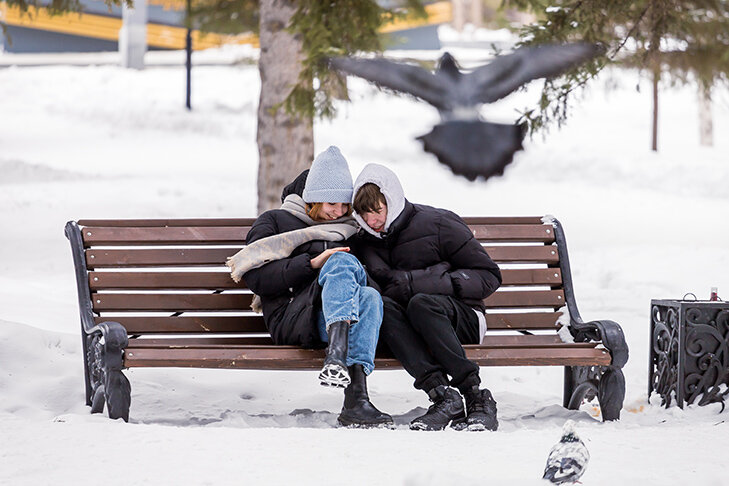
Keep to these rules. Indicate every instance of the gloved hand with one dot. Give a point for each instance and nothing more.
(394, 283)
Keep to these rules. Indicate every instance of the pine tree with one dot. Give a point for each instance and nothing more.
(296, 37)
(688, 41)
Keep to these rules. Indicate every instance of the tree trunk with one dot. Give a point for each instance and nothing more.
(285, 142)
(654, 139)
(706, 124)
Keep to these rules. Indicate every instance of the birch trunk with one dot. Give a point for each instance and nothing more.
(285, 142)
(654, 134)
(706, 124)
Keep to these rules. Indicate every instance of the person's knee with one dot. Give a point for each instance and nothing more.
(420, 302)
(421, 307)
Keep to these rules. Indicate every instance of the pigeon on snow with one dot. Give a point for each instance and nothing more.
(469, 146)
(568, 458)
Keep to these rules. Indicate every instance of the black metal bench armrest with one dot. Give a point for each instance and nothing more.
(608, 332)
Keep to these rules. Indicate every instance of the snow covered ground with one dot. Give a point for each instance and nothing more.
(102, 142)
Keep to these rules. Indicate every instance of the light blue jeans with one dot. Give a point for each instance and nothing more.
(346, 297)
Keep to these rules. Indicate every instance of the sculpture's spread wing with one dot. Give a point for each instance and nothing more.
(405, 78)
(507, 73)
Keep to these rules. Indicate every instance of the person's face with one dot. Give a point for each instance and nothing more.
(331, 211)
(376, 219)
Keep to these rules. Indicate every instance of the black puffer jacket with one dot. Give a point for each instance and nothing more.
(423, 249)
(289, 290)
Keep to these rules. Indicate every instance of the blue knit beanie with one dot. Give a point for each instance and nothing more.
(329, 179)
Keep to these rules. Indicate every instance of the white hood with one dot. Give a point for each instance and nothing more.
(389, 186)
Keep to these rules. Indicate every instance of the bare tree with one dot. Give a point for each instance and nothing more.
(706, 125)
(285, 141)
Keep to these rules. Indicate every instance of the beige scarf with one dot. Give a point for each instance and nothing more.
(277, 247)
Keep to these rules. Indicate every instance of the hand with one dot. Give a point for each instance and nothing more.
(398, 286)
(319, 260)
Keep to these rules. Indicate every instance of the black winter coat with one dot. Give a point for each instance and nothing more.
(289, 290)
(432, 251)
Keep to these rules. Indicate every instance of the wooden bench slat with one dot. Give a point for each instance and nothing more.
(284, 357)
(522, 320)
(173, 235)
(222, 280)
(513, 232)
(225, 302)
(188, 324)
(249, 221)
(182, 257)
(220, 235)
(171, 302)
(526, 298)
(490, 341)
(254, 323)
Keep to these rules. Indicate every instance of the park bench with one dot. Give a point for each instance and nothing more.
(156, 293)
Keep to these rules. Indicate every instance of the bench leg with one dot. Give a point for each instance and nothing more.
(607, 383)
(108, 384)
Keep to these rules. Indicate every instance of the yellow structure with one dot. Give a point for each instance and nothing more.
(165, 36)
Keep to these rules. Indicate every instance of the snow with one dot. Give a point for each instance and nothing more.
(102, 142)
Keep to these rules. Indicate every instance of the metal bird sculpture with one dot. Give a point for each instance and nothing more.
(464, 142)
(568, 458)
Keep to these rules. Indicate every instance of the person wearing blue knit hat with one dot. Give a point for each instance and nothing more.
(312, 290)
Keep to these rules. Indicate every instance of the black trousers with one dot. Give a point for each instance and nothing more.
(427, 337)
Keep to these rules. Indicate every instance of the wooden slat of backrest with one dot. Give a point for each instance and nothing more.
(142, 223)
(188, 324)
(254, 323)
(284, 357)
(214, 235)
(225, 302)
(513, 232)
(171, 302)
(158, 258)
(527, 298)
(180, 257)
(162, 280)
(522, 320)
(249, 221)
(513, 341)
(222, 280)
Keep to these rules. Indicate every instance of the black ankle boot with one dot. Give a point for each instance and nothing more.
(334, 373)
(447, 406)
(480, 409)
(358, 411)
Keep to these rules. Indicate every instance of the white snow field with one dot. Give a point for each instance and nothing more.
(103, 142)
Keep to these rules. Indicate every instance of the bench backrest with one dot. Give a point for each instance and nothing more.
(168, 276)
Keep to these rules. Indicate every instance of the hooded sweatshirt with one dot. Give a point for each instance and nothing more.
(424, 249)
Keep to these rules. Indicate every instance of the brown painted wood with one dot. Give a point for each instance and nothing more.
(525, 298)
(171, 302)
(490, 341)
(140, 223)
(174, 235)
(185, 324)
(532, 276)
(529, 321)
(158, 257)
(285, 357)
(162, 280)
(513, 232)
(184, 257)
(249, 221)
(546, 254)
(222, 280)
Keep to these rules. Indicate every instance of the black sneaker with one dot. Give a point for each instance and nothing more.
(447, 406)
(480, 410)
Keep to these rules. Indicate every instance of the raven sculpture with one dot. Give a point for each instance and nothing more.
(464, 142)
